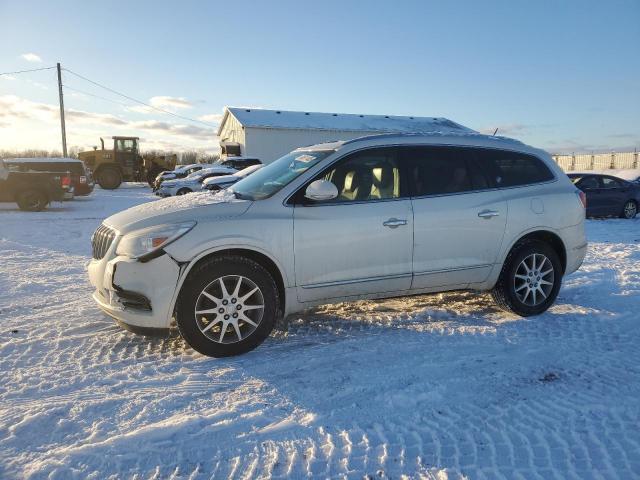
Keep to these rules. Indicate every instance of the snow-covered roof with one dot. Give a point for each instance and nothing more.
(42, 160)
(344, 122)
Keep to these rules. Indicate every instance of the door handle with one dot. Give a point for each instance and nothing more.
(488, 214)
(394, 223)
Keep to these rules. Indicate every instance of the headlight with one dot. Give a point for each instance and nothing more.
(142, 244)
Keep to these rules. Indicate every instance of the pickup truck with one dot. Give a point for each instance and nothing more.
(33, 191)
(81, 177)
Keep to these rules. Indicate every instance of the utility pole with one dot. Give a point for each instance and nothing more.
(62, 126)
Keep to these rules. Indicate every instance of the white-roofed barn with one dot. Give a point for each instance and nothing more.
(270, 134)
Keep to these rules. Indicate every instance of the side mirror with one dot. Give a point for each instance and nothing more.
(321, 190)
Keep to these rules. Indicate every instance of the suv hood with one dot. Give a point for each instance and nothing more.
(195, 206)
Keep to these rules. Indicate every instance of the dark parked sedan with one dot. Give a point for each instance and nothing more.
(608, 195)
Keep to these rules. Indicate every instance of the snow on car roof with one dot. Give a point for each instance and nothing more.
(284, 119)
(217, 168)
(490, 140)
(42, 160)
(185, 167)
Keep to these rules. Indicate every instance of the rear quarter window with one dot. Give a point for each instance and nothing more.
(512, 169)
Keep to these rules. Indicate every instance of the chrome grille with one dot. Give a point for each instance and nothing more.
(101, 241)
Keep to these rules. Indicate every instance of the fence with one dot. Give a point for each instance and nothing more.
(598, 161)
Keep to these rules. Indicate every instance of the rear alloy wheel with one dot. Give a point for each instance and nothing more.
(227, 306)
(630, 210)
(530, 279)
(32, 201)
(109, 178)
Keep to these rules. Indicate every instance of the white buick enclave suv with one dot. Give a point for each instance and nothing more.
(380, 216)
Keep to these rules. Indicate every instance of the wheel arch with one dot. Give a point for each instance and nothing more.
(548, 237)
(248, 252)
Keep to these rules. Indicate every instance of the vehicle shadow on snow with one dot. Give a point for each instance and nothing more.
(453, 312)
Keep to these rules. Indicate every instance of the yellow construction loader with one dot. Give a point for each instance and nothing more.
(124, 163)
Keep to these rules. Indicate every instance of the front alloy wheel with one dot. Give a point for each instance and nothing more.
(228, 305)
(229, 309)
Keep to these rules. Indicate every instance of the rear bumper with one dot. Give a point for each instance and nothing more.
(137, 294)
(575, 242)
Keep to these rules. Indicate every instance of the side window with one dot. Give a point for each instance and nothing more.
(511, 169)
(479, 178)
(437, 170)
(588, 183)
(368, 175)
(608, 182)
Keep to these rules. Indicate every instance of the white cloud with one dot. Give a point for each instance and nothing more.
(31, 57)
(164, 101)
(139, 109)
(211, 117)
(28, 124)
(8, 77)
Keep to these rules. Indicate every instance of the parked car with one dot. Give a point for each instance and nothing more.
(81, 177)
(33, 191)
(193, 182)
(629, 174)
(379, 216)
(215, 184)
(608, 195)
(239, 163)
(179, 172)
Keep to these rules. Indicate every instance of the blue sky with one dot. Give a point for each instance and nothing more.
(562, 75)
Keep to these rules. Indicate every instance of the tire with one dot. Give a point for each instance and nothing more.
(32, 200)
(183, 191)
(629, 210)
(109, 178)
(204, 332)
(509, 289)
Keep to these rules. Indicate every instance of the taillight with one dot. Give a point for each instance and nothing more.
(583, 197)
(66, 181)
(83, 179)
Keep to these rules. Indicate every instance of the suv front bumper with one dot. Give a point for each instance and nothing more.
(139, 295)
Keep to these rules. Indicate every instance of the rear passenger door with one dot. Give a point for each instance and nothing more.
(459, 218)
(613, 195)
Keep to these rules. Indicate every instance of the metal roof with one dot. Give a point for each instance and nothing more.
(344, 122)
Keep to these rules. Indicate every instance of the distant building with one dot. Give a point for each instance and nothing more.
(270, 134)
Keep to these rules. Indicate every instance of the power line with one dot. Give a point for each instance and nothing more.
(26, 71)
(95, 96)
(139, 101)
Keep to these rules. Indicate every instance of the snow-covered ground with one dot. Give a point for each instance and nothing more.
(440, 386)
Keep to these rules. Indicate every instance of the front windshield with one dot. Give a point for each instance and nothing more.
(195, 175)
(272, 178)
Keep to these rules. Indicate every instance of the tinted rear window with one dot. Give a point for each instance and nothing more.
(441, 170)
(511, 169)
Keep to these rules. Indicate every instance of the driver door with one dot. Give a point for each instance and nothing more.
(361, 242)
